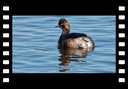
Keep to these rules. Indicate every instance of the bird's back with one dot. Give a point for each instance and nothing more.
(75, 40)
(74, 35)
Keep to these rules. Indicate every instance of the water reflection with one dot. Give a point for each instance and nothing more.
(68, 55)
(64, 70)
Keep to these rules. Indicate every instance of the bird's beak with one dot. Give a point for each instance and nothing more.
(57, 26)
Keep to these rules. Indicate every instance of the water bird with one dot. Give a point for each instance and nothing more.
(73, 40)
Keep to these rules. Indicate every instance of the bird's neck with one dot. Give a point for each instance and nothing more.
(65, 31)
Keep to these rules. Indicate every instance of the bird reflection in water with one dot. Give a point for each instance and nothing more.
(69, 54)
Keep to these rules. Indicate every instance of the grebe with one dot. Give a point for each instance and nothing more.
(72, 40)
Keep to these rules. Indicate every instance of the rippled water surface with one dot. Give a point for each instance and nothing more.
(35, 45)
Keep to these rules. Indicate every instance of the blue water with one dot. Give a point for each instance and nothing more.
(35, 45)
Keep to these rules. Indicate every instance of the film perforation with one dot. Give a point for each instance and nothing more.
(121, 53)
(5, 44)
(121, 44)
(5, 62)
(6, 53)
(5, 26)
(5, 35)
(121, 35)
(5, 17)
(121, 17)
(122, 71)
(121, 26)
(121, 62)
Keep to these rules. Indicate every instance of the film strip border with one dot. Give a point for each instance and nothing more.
(121, 44)
(6, 44)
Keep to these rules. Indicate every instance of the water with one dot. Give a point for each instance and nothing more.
(35, 45)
